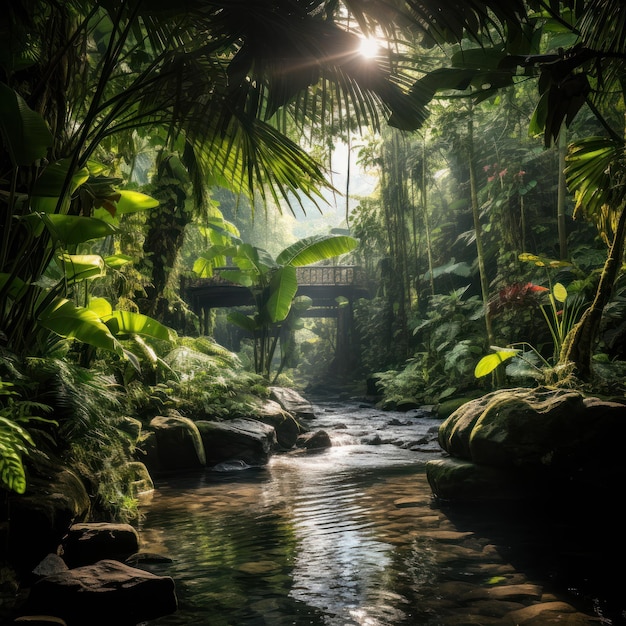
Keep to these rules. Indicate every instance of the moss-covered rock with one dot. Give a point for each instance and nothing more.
(284, 423)
(178, 444)
(543, 438)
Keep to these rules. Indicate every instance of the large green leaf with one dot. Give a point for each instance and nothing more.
(248, 257)
(75, 229)
(243, 321)
(47, 190)
(593, 173)
(82, 266)
(488, 363)
(118, 202)
(316, 248)
(133, 201)
(24, 132)
(214, 257)
(101, 307)
(282, 290)
(51, 181)
(127, 323)
(117, 260)
(64, 318)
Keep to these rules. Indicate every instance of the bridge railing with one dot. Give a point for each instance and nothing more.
(308, 276)
(338, 275)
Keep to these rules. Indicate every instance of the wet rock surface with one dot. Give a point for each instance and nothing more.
(105, 593)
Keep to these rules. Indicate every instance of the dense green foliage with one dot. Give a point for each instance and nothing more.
(129, 130)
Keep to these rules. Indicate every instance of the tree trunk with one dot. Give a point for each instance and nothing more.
(484, 281)
(562, 190)
(578, 346)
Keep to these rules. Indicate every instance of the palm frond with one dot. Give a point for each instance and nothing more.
(595, 173)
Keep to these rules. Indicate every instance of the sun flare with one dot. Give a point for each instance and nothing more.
(369, 48)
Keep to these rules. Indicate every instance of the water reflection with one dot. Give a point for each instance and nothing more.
(349, 536)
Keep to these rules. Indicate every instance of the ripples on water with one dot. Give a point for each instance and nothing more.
(344, 536)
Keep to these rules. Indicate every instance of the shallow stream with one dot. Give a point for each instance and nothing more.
(350, 535)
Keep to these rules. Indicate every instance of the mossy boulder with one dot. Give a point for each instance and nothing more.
(178, 445)
(284, 423)
(138, 478)
(539, 439)
(463, 481)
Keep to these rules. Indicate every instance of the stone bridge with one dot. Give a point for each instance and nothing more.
(324, 284)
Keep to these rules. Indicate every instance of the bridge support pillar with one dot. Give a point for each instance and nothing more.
(346, 350)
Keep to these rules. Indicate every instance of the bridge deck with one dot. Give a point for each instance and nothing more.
(323, 284)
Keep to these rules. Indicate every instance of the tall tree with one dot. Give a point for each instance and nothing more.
(583, 68)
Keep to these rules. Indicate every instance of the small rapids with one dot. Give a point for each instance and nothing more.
(350, 535)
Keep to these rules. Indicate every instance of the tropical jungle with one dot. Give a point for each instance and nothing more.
(463, 158)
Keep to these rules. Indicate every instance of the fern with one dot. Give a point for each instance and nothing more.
(15, 440)
(210, 348)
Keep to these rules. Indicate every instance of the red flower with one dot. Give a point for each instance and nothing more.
(517, 296)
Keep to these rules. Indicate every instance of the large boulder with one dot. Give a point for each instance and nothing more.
(102, 594)
(246, 440)
(538, 440)
(284, 423)
(138, 478)
(87, 543)
(292, 402)
(176, 445)
(41, 517)
(456, 480)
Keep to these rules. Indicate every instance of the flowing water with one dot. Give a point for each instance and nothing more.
(351, 535)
